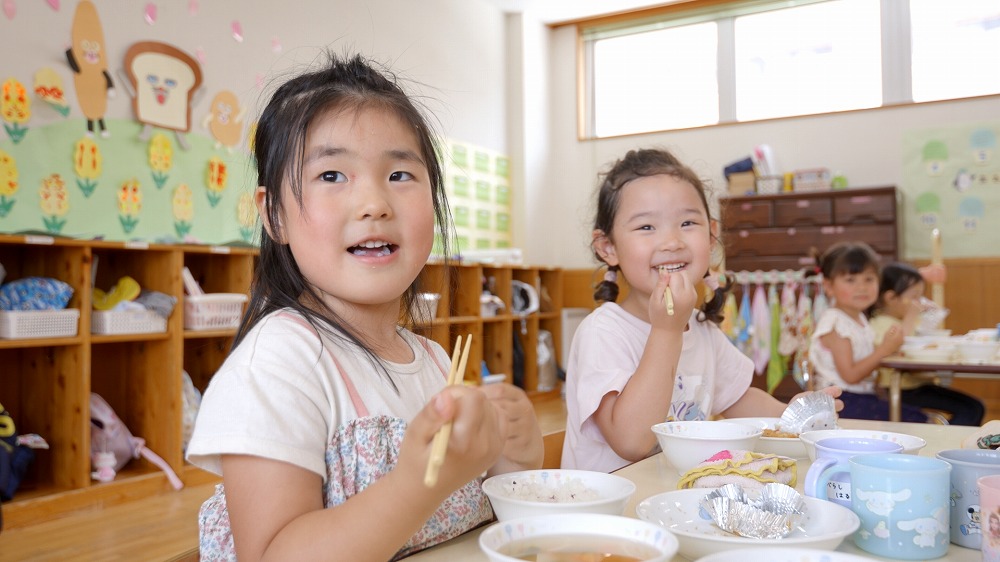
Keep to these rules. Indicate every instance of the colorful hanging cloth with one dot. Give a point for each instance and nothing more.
(788, 341)
(775, 365)
(744, 334)
(731, 318)
(761, 344)
(804, 328)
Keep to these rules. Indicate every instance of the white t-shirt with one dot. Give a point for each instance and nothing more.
(862, 338)
(291, 394)
(712, 375)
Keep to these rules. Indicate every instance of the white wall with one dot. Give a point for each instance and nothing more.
(453, 48)
(866, 146)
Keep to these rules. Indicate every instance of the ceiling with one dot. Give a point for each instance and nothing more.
(555, 11)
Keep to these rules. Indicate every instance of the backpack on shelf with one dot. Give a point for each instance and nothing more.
(112, 445)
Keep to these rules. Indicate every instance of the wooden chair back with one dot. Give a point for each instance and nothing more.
(553, 445)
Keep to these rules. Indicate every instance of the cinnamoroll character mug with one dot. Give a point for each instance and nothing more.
(967, 466)
(828, 477)
(902, 501)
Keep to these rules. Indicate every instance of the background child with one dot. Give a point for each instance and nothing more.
(634, 365)
(321, 419)
(843, 350)
(899, 307)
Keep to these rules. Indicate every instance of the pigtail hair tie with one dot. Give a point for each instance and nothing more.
(611, 276)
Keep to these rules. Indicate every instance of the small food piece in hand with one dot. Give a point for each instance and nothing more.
(669, 298)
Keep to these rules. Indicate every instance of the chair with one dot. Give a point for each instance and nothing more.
(553, 446)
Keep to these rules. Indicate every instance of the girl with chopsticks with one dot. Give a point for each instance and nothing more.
(658, 355)
(322, 418)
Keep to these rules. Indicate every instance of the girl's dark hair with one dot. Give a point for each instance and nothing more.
(343, 84)
(640, 164)
(847, 258)
(896, 277)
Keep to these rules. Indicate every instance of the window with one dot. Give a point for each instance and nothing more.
(746, 60)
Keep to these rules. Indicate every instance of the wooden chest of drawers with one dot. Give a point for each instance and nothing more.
(780, 231)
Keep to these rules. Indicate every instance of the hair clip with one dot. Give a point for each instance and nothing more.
(611, 276)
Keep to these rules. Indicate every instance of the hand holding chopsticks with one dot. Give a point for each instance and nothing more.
(440, 444)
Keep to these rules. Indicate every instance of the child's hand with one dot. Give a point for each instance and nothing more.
(891, 342)
(475, 444)
(683, 296)
(522, 447)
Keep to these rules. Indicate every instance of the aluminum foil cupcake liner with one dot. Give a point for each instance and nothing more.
(813, 411)
(772, 516)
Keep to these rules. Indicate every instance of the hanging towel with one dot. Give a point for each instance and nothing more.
(820, 304)
(731, 319)
(788, 341)
(776, 363)
(804, 328)
(761, 344)
(744, 333)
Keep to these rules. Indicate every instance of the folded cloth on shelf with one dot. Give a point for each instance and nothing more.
(985, 437)
(748, 469)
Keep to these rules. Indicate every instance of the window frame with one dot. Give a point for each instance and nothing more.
(895, 44)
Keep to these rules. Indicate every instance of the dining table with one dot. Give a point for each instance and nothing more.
(945, 370)
(654, 475)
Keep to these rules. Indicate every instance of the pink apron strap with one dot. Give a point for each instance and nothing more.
(352, 391)
(433, 356)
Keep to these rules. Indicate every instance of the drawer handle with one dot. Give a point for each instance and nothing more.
(802, 203)
(861, 199)
(791, 231)
(746, 207)
(744, 233)
(828, 230)
(807, 261)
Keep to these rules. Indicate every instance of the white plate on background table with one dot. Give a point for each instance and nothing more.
(824, 525)
(784, 446)
(783, 555)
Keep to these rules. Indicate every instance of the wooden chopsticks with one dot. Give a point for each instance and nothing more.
(440, 445)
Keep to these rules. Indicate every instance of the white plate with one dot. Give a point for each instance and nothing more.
(911, 443)
(783, 555)
(824, 525)
(784, 446)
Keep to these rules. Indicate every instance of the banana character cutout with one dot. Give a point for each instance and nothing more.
(87, 57)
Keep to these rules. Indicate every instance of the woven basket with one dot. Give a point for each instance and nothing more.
(127, 322)
(214, 311)
(25, 324)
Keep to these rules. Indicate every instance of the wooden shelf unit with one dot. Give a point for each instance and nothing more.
(46, 383)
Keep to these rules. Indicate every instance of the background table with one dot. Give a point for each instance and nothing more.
(654, 475)
(901, 365)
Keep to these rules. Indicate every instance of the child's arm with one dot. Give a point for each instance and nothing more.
(523, 448)
(757, 403)
(625, 418)
(852, 371)
(276, 509)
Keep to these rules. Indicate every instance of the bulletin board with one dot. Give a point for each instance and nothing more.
(477, 181)
(951, 181)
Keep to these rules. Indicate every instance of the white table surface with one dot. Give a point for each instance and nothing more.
(654, 475)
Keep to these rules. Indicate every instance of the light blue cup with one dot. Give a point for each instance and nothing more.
(967, 466)
(902, 501)
(829, 476)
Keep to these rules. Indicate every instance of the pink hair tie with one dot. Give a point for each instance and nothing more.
(712, 282)
(611, 276)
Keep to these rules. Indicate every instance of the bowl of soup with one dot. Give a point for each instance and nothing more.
(549, 491)
(577, 537)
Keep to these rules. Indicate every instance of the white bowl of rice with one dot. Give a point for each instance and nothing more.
(540, 492)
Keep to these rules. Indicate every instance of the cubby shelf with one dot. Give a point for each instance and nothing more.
(46, 383)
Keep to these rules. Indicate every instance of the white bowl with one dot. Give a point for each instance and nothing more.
(783, 554)
(687, 443)
(930, 354)
(971, 351)
(983, 334)
(580, 530)
(939, 333)
(911, 443)
(519, 494)
(785, 446)
(824, 525)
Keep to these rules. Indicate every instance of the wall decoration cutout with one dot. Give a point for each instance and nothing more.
(215, 180)
(193, 7)
(9, 9)
(161, 158)
(87, 165)
(182, 204)
(246, 216)
(129, 205)
(225, 120)
(149, 14)
(8, 183)
(54, 200)
(163, 80)
(49, 87)
(87, 58)
(983, 142)
(237, 28)
(951, 181)
(15, 108)
(54, 4)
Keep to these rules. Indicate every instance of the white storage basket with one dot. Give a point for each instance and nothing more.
(127, 322)
(25, 324)
(214, 311)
